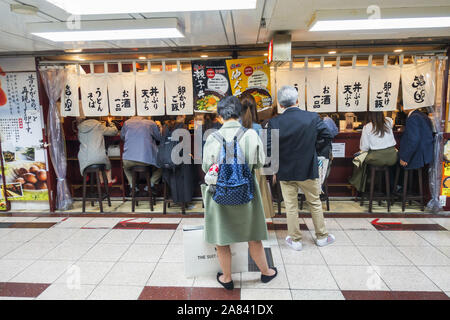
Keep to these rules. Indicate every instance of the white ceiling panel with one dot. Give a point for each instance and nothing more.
(241, 27)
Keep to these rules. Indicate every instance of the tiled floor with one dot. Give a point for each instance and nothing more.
(94, 258)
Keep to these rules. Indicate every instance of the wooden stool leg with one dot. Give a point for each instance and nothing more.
(99, 189)
(388, 189)
(380, 185)
(84, 192)
(91, 188)
(397, 176)
(372, 185)
(165, 198)
(149, 186)
(411, 185)
(419, 172)
(133, 191)
(405, 187)
(183, 208)
(105, 182)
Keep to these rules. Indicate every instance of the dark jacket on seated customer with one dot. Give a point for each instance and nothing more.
(416, 145)
(298, 133)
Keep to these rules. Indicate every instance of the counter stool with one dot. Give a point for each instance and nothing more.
(408, 189)
(135, 171)
(166, 200)
(94, 171)
(377, 172)
(323, 196)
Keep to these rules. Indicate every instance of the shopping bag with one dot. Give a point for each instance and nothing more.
(200, 257)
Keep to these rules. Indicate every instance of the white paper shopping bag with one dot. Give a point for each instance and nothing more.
(200, 257)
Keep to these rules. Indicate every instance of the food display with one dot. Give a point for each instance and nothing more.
(210, 84)
(9, 156)
(208, 103)
(31, 178)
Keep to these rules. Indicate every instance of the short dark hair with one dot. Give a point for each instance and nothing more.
(229, 108)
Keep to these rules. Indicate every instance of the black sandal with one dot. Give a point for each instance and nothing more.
(226, 285)
(266, 279)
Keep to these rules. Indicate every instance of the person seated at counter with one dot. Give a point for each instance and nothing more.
(377, 147)
(140, 137)
(416, 144)
(92, 144)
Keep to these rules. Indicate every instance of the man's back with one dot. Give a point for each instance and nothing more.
(298, 133)
(416, 145)
(140, 136)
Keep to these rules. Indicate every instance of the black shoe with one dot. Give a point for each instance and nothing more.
(266, 279)
(227, 285)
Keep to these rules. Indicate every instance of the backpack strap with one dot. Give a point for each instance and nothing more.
(216, 135)
(240, 133)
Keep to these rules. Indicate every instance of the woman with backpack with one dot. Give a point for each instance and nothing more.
(233, 208)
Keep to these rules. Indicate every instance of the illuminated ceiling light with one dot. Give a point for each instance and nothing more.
(142, 58)
(398, 50)
(109, 30)
(73, 50)
(82, 7)
(79, 58)
(387, 18)
(24, 9)
(204, 56)
(266, 54)
(331, 52)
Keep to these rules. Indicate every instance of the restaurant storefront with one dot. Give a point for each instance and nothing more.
(343, 86)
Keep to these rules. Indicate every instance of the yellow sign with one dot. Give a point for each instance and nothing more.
(251, 75)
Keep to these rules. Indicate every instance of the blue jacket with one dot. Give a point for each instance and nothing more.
(416, 145)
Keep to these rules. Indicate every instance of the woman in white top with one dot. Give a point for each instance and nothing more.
(378, 140)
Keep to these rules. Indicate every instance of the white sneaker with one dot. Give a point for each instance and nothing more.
(326, 241)
(296, 245)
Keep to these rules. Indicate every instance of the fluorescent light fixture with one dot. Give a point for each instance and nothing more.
(266, 54)
(142, 58)
(109, 30)
(398, 50)
(377, 24)
(204, 56)
(73, 50)
(331, 52)
(84, 7)
(388, 18)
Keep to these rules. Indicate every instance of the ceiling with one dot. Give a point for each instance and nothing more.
(214, 28)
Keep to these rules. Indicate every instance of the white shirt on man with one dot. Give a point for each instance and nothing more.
(371, 141)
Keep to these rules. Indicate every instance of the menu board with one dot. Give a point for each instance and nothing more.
(179, 93)
(321, 89)
(210, 84)
(94, 95)
(121, 94)
(150, 94)
(21, 134)
(353, 86)
(295, 78)
(418, 85)
(384, 84)
(251, 75)
(70, 103)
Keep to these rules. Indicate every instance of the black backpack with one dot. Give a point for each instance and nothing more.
(164, 156)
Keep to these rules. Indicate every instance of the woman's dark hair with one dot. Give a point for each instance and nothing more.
(248, 115)
(229, 108)
(379, 123)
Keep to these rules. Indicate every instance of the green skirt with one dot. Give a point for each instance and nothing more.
(383, 157)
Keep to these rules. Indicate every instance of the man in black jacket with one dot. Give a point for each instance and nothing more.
(298, 167)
